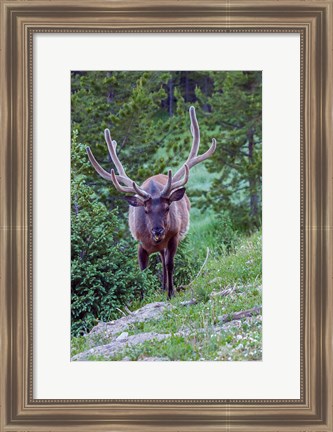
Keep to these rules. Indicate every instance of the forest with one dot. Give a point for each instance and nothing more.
(216, 314)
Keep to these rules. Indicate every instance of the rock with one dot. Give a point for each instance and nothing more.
(231, 324)
(153, 359)
(146, 313)
(115, 347)
(122, 337)
(189, 302)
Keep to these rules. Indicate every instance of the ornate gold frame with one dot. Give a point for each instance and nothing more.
(313, 20)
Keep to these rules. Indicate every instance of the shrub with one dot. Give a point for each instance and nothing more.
(227, 235)
(104, 272)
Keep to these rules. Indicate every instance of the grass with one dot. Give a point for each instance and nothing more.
(204, 229)
(200, 179)
(201, 323)
(196, 331)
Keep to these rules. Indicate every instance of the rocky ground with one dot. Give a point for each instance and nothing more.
(113, 340)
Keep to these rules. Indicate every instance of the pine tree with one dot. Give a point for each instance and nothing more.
(235, 120)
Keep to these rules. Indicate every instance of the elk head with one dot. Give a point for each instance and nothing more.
(156, 205)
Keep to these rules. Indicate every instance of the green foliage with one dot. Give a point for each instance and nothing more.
(196, 332)
(147, 113)
(213, 231)
(128, 103)
(227, 233)
(235, 119)
(240, 269)
(104, 272)
(78, 345)
(173, 348)
(242, 266)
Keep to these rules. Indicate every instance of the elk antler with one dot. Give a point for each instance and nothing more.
(172, 185)
(129, 185)
(193, 159)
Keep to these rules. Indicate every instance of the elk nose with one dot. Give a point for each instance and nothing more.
(158, 231)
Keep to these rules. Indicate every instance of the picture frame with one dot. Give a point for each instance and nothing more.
(20, 21)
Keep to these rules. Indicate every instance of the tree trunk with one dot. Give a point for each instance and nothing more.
(205, 91)
(187, 88)
(252, 181)
(170, 85)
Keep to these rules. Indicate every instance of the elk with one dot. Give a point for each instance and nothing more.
(159, 208)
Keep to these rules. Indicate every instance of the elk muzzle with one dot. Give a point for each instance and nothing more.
(158, 234)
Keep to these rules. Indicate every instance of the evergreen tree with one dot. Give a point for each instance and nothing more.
(127, 103)
(235, 120)
(147, 113)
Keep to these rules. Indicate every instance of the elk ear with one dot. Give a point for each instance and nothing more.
(177, 195)
(134, 201)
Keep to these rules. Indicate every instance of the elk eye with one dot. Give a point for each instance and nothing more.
(167, 209)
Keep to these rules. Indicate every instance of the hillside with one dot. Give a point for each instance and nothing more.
(217, 316)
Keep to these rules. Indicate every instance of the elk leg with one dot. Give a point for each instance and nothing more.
(143, 258)
(172, 248)
(165, 276)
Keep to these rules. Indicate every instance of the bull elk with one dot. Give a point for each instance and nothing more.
(159, 208)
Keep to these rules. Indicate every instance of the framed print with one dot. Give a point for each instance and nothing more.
(232, 101)
(162, 214)
(96, 344)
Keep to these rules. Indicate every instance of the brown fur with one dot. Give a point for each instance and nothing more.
(176, 228)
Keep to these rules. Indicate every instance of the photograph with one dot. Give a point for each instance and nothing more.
(166, 215)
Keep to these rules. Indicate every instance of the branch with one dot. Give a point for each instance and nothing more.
(238, 315)
(224, 293)
(200, 271)
(121, 311)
